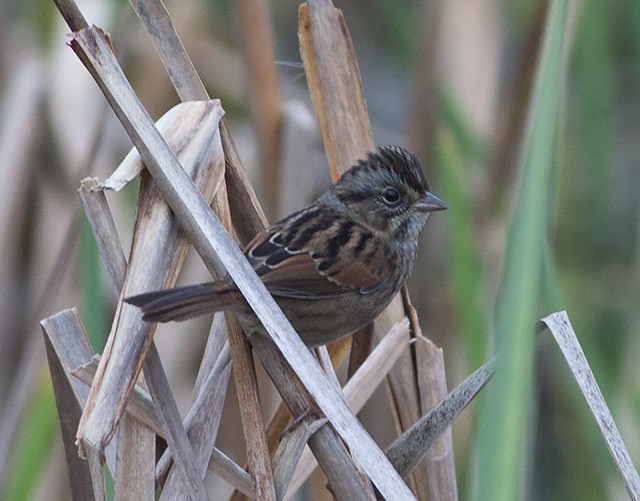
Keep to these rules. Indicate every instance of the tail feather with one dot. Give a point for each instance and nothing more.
(182, 303)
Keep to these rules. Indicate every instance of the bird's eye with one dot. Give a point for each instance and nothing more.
(390, 196)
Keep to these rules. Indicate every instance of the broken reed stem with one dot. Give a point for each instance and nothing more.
(69, 411)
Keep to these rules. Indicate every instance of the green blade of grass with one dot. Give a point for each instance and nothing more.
(92, 288)
(32, 444)
(464, 262)
(503, 420)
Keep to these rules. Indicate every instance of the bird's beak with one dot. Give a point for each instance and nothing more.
(429, 202)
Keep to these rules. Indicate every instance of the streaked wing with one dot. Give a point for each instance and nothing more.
(310, 257)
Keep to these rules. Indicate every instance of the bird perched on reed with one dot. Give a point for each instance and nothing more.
(332, 266)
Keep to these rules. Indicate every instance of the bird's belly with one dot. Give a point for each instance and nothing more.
(323, 321)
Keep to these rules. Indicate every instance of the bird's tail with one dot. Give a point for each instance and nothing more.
(182, 303)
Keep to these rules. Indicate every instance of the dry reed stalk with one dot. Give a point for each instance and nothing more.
(290, 450)
(203, 418)
(361, 386)
(141, 407)
(190, 139)
(408, 449)
(69, 340)
(251, 413)
(560, 326)
(134, 473)
(69, 411)
(135, 454)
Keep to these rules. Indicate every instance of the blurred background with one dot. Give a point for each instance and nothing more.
(448, 80)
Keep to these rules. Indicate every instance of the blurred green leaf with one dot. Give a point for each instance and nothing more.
(468, 145)
(92, 288)
(503, 420)
(33, 444)
(464, 264)
(397, 26)
(586, 234)
(40, 16)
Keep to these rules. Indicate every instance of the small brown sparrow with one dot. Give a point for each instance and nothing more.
(332, 266)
